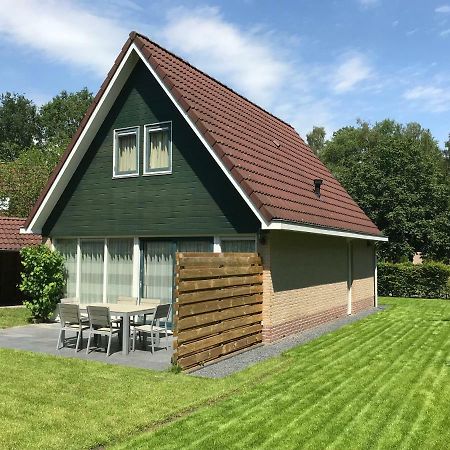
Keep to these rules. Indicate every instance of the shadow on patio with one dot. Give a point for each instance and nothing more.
(42, 338)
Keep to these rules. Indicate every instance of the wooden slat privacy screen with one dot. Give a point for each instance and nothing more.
(218, 308)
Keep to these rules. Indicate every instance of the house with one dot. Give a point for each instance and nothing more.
(11, 241)
(169, 159)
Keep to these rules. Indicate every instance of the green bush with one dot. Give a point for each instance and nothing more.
(42, 280)
(429, 280)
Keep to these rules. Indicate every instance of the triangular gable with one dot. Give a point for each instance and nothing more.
(263, 157)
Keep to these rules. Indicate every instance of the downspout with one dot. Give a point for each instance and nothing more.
(375, 276)
(349, 276)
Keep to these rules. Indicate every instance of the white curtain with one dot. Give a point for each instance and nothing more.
(91, 280)
(119, 268)
(195, 245)
(158, 270)
(238, 245)
(127, 153)
(68, 249)
(159, 150)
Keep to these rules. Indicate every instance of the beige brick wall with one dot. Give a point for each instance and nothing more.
(305, 281)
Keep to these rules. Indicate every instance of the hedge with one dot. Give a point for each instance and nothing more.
(429, 280)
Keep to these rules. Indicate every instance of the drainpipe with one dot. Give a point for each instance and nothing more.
(349, 276)
(375, 277)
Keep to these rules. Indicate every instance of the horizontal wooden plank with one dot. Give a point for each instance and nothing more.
(212, 294)
(218, 339)
(181, 255)
(210, 318)
(247, 341)
(203, 273)
(218, 261)
(216, 305)
(197, 358)
(197, 333)
(194, 285)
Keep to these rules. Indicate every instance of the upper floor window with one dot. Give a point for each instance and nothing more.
(158, 148)
(126, 152)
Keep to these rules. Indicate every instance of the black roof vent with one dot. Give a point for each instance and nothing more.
(317, 183)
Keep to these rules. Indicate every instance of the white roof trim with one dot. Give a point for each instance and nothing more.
(278, 225)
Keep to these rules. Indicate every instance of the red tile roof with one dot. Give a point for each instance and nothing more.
(10, 237)
(265, 155)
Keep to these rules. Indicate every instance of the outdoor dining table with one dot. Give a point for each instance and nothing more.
(125, 311)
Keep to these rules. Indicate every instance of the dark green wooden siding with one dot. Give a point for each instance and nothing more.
(196, 199)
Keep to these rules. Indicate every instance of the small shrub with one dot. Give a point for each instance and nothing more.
(42, 280)
(429, 280)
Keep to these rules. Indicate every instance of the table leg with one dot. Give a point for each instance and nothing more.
(126, 334)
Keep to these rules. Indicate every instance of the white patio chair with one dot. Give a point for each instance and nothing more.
(70, 320)
(153, 328)
(100, 324)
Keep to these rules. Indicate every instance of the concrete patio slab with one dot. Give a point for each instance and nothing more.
(42, 338)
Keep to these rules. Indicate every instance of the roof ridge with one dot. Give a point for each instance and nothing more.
(135, 34)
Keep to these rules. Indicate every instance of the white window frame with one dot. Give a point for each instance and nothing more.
(125, 132)
(153, 127)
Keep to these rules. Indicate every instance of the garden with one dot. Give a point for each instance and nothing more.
(381, 383)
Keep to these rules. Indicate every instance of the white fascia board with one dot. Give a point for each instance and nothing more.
(277, 225)
(84, 140)
(204, 142)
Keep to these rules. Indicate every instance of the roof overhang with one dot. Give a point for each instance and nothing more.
(280, 225)
(78, 149)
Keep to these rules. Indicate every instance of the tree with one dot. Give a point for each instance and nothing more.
(60, 117)
(18, 125)
(22, 180)
(395, 173)
(316, 139)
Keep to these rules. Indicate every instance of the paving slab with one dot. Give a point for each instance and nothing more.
(42, 338)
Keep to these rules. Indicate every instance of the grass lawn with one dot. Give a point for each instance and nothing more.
(11, 317)
(379, 383)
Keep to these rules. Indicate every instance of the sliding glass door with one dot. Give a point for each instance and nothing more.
(119, 269)
(158, 264)
(91, 271)
(158, 259)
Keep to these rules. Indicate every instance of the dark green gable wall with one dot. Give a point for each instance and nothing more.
(196, 199)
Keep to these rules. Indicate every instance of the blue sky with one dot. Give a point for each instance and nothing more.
(310, 62)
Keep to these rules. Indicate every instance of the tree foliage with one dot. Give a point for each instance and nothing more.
(31, 143)
(19, 127)
(316, 139)
(396, 174)
(60, 117)
(42, 280)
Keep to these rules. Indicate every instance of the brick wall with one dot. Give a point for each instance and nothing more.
(305, 281)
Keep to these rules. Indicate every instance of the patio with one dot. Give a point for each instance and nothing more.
(42, 338)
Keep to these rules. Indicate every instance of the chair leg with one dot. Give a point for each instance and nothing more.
(109, 344)
(89, 343)
(59, 340)
(152, 336)
(134, 340)
(79, 338)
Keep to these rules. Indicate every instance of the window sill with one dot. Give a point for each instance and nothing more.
(159, 172)
(131, 175)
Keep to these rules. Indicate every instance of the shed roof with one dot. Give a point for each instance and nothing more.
(265, 156)
(10, 237)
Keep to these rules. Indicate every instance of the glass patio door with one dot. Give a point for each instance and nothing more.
(157, 274)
